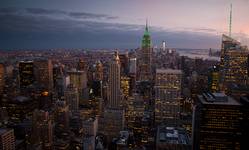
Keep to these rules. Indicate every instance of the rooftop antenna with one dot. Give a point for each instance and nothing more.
(146, 24)
(230, 20)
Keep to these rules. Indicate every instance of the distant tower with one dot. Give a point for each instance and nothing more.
(164, 45)
(145, 56)
(114, 82)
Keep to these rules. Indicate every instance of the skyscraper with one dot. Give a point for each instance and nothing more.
(233, 65)
(145, 53)
(114, 99)
(216, 122)
(44, 73)
(26, 73)
(213, 79)
(167, 96)
(132, 66)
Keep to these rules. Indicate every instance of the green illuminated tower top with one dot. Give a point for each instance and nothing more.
(146, 42)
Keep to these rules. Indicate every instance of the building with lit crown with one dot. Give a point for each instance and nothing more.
(114, 99)
(145, 54)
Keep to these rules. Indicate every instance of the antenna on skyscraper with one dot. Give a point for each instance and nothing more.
(230, 20)
(146, 24)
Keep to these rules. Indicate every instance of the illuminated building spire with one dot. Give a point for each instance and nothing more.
(146, 28)
(146, 42)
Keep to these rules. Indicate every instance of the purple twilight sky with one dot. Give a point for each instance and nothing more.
(119, 23)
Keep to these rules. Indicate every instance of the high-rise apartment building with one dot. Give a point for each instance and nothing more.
(216, 122)
(167, 96)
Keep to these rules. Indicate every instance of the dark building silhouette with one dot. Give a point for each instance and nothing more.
(216, 122)
(26, 73)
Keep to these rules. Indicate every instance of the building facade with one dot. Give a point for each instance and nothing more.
(233, 65)
(216, 122)
(72, 97)
(114, 100)
(26, 73)
(167, 96)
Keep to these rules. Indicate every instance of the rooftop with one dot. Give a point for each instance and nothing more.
(217, 98)
(124, 135)
(172, 135)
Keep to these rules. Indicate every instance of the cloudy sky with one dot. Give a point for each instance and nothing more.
(119, 23)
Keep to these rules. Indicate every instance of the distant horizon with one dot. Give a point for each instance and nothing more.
(97, 49)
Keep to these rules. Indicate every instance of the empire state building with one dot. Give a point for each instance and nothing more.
(144, 64)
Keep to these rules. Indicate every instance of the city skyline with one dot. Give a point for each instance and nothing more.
(118, 24)
(147, 98)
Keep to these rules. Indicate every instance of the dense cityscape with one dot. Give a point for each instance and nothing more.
(126, 99)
